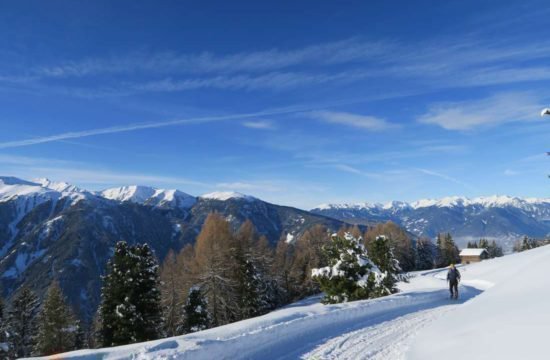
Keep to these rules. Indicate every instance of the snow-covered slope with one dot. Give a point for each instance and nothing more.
(150, 196)
(502, 314)
(227, 195)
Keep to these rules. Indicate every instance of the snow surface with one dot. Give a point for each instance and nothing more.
(502, 314)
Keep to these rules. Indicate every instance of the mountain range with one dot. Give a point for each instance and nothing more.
(502, 218)
(55, 230)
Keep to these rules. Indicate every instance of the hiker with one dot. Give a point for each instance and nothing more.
(453, 277)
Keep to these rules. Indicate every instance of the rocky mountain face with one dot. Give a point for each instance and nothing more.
(54, 230)
(502, 218)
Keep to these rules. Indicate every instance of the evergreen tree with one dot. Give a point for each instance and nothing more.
(483, 244)
(21, 323)
(196, 313)
(494, 250)
(350, 275)
(447, 251)
(381, 254)
(3, 332)
(452, 252)
(130, 309)
(400, 241)
(527, 244)
(57, 326)
(424, 254)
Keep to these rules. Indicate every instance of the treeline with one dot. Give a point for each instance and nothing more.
(528, 243)
(493, 250)
(226, 276)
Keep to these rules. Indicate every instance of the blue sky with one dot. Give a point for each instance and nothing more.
(295, 102)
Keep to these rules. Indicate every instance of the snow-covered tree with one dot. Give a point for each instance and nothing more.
(21, 323)
(424, 254)
(400, 241)
(350, 275)
(196, 316)
(57, 325)
(381, 254)
(130, 308)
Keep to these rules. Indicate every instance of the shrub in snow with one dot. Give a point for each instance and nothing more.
(350, 274)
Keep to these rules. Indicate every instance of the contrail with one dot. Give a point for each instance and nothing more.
(152, 125)
(141, 126)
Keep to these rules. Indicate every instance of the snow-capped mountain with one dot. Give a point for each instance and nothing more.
(226, 195)
(150, 196)
(53, 229)
(503, 218)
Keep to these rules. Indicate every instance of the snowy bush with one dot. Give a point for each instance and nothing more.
(350, 274)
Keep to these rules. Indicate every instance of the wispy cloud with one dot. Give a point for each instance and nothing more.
(259, 124)
(254, 61)
(494, 110)
(365, 122)
(441, 63)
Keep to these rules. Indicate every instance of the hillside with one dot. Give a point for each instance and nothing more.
(55, 230)
(501, 304)
(500, 218)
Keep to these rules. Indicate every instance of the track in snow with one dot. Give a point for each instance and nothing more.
(389, 335)
(387, 340)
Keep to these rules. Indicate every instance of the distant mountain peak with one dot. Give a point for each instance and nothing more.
(149, 196)
(227, 195)
(60, 186)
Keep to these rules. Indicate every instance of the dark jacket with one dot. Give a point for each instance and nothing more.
(453, 275)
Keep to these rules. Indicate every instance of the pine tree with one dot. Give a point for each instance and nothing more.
(483, 244)
(494, 250)
(451, 250)
(400, 241)
(3, 332)
(130, 309)
(196, 313)
(424, 254)
(447, 251)
(21, 323)
(350, 275)
(246, 275)
(381, 254)
(57, 326)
